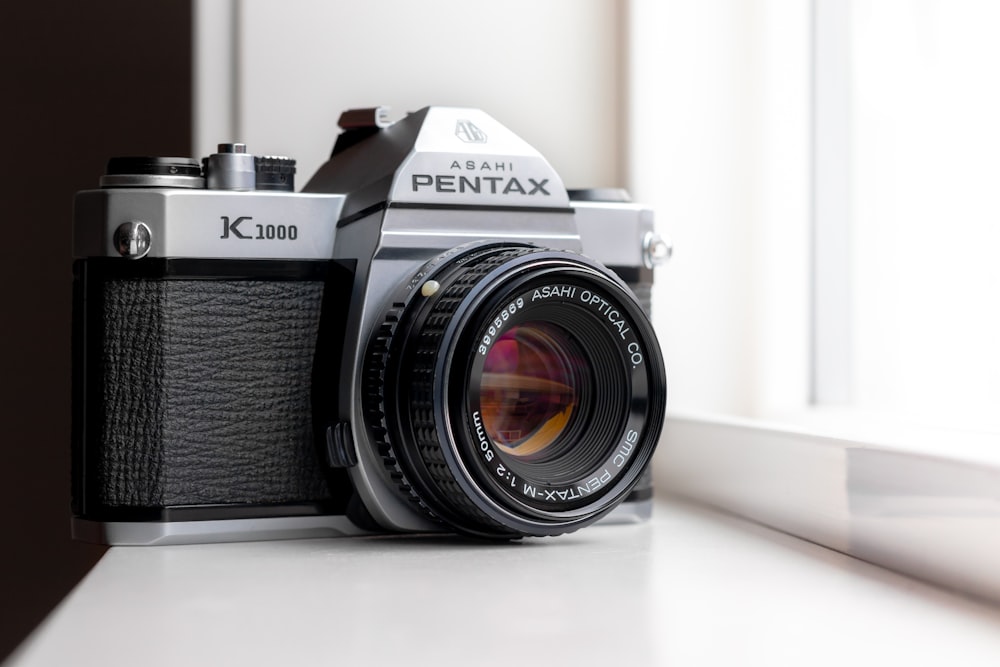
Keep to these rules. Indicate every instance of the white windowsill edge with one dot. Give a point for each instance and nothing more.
(932, 512)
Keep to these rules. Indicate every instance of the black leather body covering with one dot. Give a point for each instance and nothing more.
(197, 393)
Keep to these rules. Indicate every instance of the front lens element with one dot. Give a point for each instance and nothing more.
(530, 388)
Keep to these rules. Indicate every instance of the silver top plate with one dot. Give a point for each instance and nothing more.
(209, 224)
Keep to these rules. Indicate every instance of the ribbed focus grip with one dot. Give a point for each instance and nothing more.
(206, 393)
(420, 446)
(422, 399)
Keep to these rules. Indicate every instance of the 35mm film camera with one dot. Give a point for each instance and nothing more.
(434, 335)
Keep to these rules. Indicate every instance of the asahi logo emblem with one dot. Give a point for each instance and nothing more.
(469, 133)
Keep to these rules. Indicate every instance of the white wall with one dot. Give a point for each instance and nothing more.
(924, 207)
(548, 70)
(718, 119)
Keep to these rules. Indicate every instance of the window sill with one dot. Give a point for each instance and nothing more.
(690, 587)
(921, 502)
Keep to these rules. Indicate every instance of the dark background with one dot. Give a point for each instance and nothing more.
(82, 82)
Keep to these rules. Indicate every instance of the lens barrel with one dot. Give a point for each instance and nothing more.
(513, 390)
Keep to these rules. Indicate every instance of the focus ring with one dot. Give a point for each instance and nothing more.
(424, 357)
(418, 468)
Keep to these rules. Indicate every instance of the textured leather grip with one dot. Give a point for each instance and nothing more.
(206, 393)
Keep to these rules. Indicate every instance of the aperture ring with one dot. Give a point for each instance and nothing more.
(373, 403)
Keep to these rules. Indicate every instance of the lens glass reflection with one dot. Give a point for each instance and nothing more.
(530, 388)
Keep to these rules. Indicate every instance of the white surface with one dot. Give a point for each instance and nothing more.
(923, 503)
(690, 588)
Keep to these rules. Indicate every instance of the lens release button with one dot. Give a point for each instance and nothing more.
(340, 450)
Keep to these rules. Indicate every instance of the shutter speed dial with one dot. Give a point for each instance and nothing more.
(231, 168)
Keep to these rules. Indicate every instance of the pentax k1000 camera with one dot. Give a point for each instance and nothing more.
(433, 335)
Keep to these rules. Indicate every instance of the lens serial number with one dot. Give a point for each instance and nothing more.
(498, 323)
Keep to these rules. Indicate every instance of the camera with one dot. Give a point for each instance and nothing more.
(433, 335)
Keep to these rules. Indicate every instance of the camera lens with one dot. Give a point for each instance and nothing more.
(522, 396)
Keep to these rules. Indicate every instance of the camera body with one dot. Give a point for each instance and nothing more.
(420, 340)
